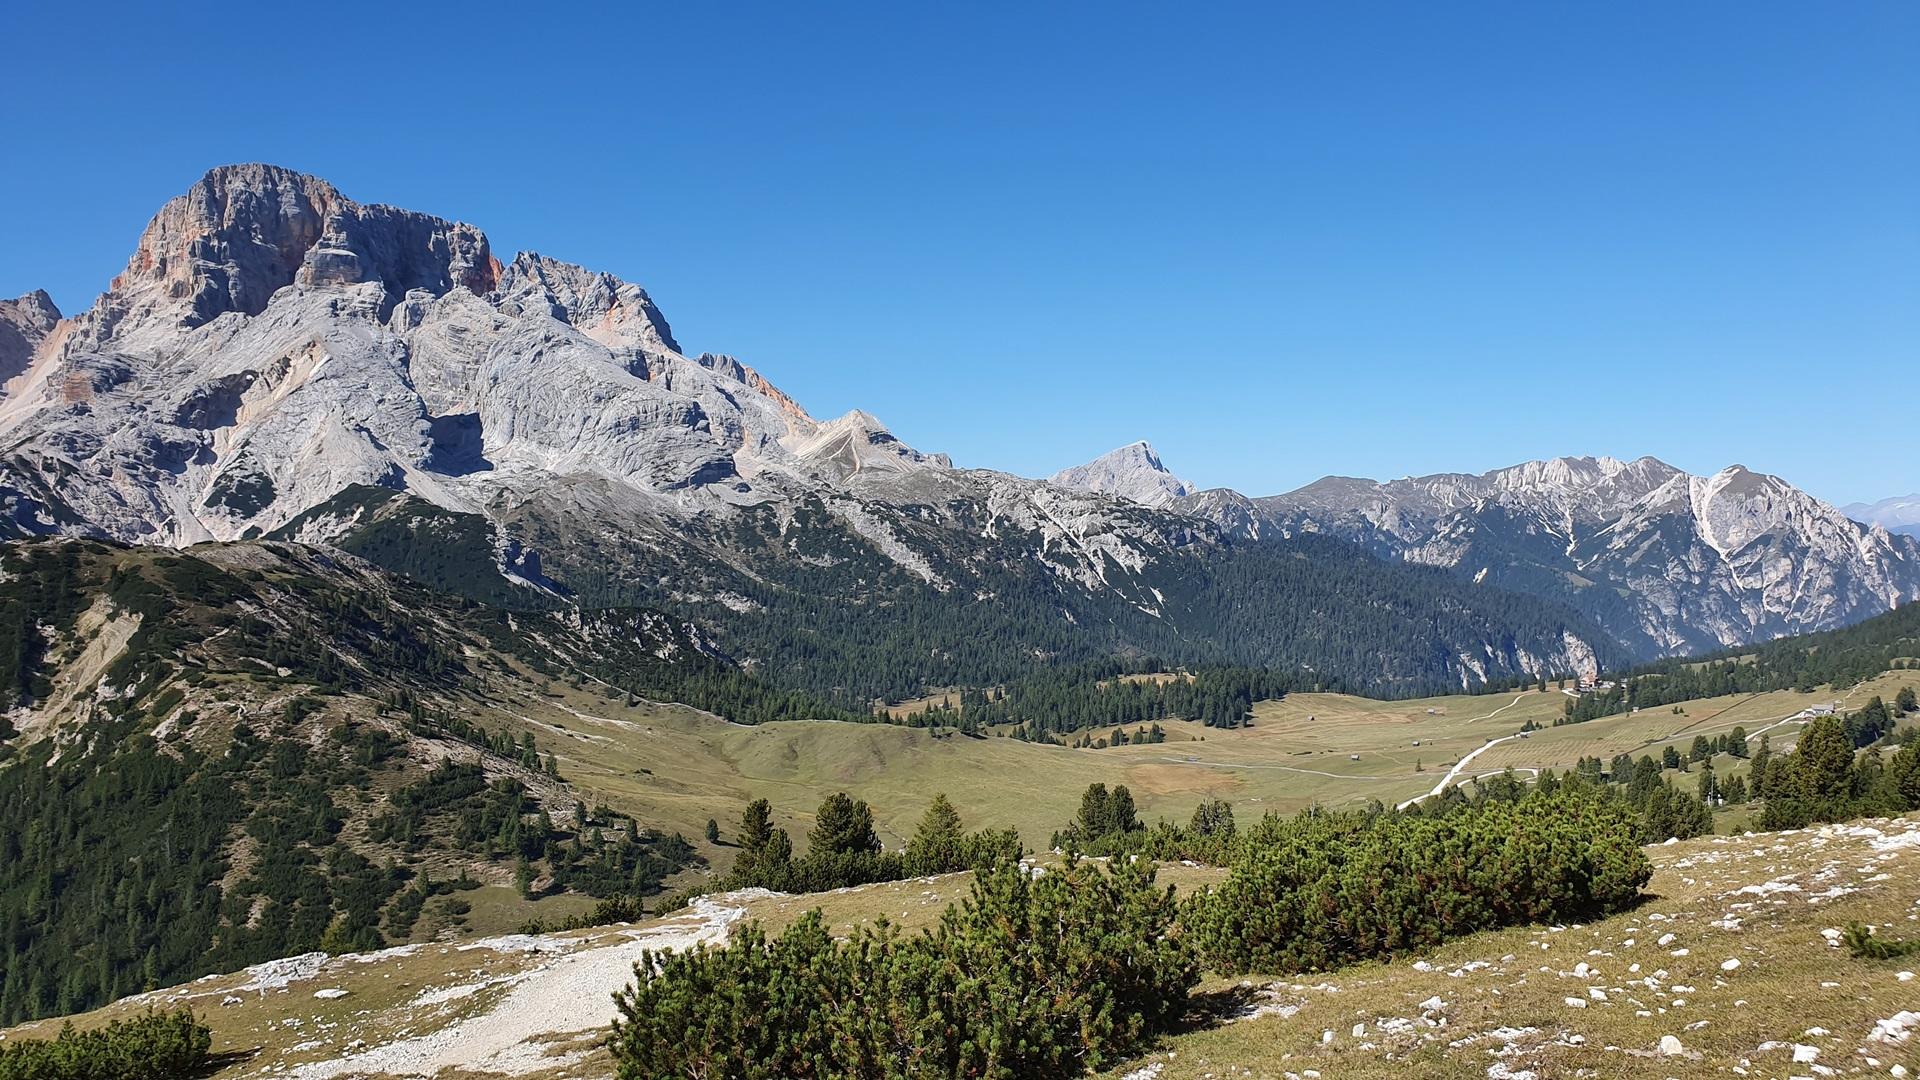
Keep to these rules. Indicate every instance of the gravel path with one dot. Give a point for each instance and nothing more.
(1461, 765)
(571, 995)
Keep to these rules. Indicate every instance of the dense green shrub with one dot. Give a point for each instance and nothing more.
(1863, 943)
(1043, 977)
(1316, 891)
(155, 1046)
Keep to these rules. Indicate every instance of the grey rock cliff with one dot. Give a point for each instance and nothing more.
(24, 325)
(1132, 472)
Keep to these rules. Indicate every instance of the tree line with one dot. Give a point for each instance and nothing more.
(1837, 658)
(1108, 694)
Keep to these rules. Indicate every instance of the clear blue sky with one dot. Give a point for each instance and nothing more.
(1276, 241)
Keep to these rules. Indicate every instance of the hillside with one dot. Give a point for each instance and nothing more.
(1843, 657)
(245, 751)
(1533, 1001)
(330, 748)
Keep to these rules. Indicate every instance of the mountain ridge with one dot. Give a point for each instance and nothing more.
(1697, 563)
(1701, 562)
(1133, 471)
(274, 350)
(1899, 514)
(277, 356)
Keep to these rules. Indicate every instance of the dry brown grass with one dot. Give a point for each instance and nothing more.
(1790, 987)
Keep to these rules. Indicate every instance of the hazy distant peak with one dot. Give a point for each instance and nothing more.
(1900, 513)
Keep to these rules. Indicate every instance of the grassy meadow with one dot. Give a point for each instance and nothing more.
(676, 767)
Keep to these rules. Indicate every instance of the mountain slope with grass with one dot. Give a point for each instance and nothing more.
(237, 752)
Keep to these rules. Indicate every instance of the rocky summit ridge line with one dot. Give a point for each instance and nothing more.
(1133, 471)
(1667, 561)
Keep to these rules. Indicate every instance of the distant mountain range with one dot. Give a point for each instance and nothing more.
(1899, 514)
(280, 361)
(1667, 562)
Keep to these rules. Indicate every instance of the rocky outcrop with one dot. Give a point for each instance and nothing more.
(244, 232)
(24, 324)
(1132, 472)
(606, 309)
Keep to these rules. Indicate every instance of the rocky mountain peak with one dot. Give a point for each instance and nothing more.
(244, 232)
(606, 309)
(25, 322)
(858, 442)
(1133, 471)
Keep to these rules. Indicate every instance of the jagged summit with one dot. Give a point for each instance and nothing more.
(272, 341)
(243, 232)
(610, 311)
(1133, 471)
(24, 323)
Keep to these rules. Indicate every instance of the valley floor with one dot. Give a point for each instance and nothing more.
(1732, 956)
(675, 767)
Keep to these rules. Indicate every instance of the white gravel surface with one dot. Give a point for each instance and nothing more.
(570, 995)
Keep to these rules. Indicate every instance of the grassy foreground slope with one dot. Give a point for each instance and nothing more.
(1494, 1004)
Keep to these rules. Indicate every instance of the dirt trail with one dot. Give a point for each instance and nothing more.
(1461, 765)
(571, 995)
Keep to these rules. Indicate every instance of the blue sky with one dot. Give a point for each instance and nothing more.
(1278, 241)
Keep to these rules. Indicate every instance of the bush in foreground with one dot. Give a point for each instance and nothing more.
(1028, 978)
(1863, 943)
(1316, 891)
(156, 1046)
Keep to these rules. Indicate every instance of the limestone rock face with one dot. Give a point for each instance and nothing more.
(1132, 472)
(24, 324)
(601, 306)
(244, 232)
(272, 343)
